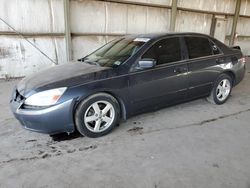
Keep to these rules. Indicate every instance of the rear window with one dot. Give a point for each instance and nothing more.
(198, 47)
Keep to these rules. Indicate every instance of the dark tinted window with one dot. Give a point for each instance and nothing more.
(198, 47)
(165, 51)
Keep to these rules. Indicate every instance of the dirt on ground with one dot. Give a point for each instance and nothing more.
(195, 144)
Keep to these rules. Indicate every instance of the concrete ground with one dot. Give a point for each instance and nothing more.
(195, 144)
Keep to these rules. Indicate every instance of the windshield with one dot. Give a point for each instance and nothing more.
(116, 52)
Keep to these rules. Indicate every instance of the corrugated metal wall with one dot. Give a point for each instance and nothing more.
(36, 18)
(94, 23)
(97, 18)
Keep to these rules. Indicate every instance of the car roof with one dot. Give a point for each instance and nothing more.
(160, 35)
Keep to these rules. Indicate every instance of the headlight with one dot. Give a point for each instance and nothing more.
(45, 98)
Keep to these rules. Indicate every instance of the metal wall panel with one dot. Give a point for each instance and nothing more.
(106, 17)
(229, 25)
(112, 18)
(157, 2)
(99, 18)
(33, 16)
(87, 16)
(83, 45)
(220, 28)
(243, 29)
(193, 22)
(18, 58)
(158, 20)
(137, 19)
(245, 7)
(117, 18)
(86, 44)
(226, 6)
(244, 44)
(243, 26)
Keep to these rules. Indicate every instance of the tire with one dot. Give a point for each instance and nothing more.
(97, 115)
(221, 90)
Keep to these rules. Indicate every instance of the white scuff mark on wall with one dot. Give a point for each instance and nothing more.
(145, 29)
(245, 10)
(52, 21)
(22, 59)
(22, 51)
(106, 21)
(215, 6)
(205, 21)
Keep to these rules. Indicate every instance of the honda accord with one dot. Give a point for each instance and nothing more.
(128, 76)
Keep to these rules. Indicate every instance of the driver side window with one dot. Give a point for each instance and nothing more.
(165, 51)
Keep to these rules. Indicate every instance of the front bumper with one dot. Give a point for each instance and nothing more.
(51, 120)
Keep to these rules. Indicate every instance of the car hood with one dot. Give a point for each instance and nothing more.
(66, 75)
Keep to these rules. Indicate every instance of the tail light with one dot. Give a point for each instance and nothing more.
(242, 60)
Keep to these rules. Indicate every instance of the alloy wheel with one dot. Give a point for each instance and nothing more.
(99, 116)
(223, 90)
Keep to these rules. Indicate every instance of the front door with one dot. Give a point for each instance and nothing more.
(164, 84)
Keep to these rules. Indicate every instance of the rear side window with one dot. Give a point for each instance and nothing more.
(165, 51)
(198, 47)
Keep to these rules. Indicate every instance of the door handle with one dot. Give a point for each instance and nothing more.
(220, 60)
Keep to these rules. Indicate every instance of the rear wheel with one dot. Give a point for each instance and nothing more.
(221, 90)
(97, 115)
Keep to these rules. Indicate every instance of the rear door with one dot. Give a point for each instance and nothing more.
(164, 84)
(203, 56)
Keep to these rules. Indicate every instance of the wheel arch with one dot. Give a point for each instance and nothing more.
(227, 72)
(122, 110)
(231, 74)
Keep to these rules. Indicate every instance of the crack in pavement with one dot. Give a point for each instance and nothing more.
(47, 155)
(199, 123)
(20, 159)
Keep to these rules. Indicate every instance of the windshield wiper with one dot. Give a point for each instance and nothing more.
(92, 63)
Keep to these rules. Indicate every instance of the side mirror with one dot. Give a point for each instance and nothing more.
(146, 63)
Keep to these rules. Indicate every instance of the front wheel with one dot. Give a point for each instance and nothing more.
(221, 90)
(97, 115)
